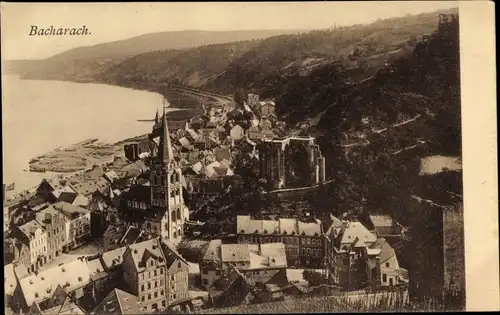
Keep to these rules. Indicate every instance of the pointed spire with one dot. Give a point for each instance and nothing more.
(157, 118)
(165, 153)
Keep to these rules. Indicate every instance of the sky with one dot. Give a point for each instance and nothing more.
(116, 21)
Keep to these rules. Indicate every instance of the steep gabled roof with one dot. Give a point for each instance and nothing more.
(119, 302)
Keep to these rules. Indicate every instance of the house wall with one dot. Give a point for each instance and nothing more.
(38, 248)
(56, 236)
(389, 271)
(177, 282)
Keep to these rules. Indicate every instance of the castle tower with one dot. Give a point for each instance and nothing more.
(166, 187)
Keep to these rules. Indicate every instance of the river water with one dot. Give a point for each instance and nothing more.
(39, 116)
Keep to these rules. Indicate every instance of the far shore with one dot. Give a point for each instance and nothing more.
(81, 156)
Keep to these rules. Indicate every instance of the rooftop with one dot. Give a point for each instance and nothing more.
(356, 229)
(30, 229)
(119, 302)
(235, 253)
(10, 281)
(144, 251)
(70, 276)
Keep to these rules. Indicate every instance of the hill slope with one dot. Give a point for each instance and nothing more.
(86, 63)
(163, 41)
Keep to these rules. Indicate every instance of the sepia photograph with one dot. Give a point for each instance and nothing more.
(247, 158)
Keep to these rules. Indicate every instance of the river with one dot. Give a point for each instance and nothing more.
(39, 116)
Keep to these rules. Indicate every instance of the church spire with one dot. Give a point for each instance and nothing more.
(157, 118)
(165, 151)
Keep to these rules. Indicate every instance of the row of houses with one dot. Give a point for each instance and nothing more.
(56, 229)
(236, 274)
(58, 218)
(353, 255)
(141, 278)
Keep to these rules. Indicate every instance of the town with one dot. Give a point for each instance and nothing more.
(231, 211)
(129, 236)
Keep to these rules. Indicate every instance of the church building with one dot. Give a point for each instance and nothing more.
(158, 206)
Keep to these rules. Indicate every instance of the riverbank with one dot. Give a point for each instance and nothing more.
(185, 104)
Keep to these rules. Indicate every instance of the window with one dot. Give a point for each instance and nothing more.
(205, 281)
(163, 303)
(161, 271)
(384, 277)
(162, 292)
(161, 281)
(387, 264)
(156, 284)
(143, 298)
(149, 285)
(175, 296)
(149, 296)
(156, 294)
(179, 264)
(142, 287)
(155, 273)
(205, 272)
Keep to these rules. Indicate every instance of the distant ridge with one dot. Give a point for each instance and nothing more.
(163, 41)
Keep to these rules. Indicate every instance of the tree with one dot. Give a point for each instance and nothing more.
(240, 97)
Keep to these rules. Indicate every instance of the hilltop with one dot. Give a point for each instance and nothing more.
(84, 63)
(265, 66)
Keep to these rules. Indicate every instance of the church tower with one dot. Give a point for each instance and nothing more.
(166, 187)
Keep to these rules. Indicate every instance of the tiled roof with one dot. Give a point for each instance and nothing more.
(113, 257)
(289, 226)
(10, 282)
(223, 283)
(171, 254)
(96, 269)
(212, 251)
(309, 229)
(119, 302)
(141, 252)
(69, 210)
(246, 225)
(235, 252)
(356, 229)
(55, 183)
(381, 220)
(133, 235)
(386, 250)
(80, 201)
(29, 228)
(111, 176)
(66, 189)
(70, 276)
(21, 271)
(269, 255)
(89, 186)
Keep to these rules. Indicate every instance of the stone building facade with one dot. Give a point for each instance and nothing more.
(291, 162)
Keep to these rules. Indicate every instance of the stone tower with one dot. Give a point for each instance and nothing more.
(166, 187)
